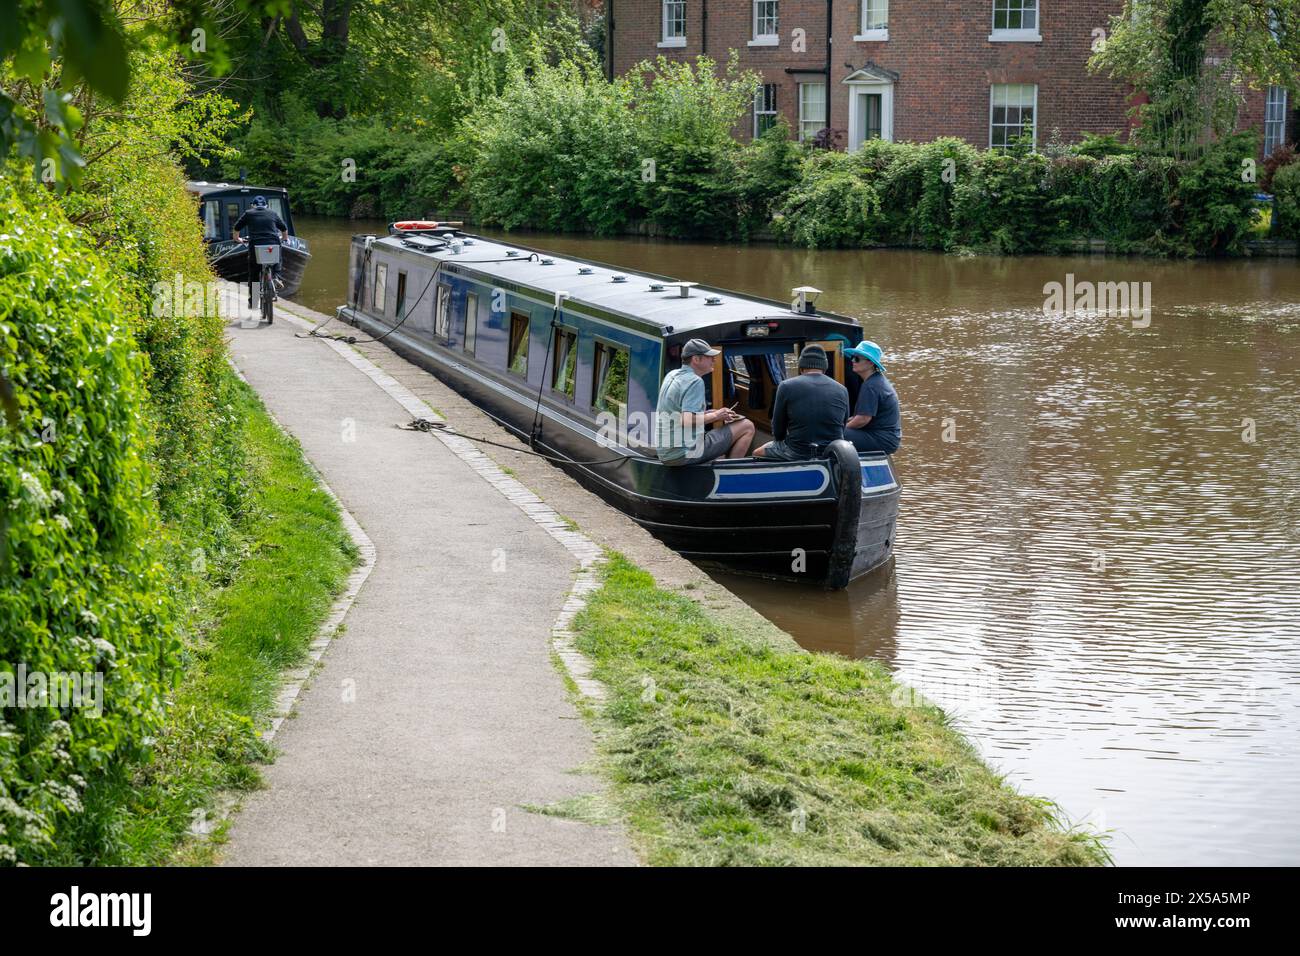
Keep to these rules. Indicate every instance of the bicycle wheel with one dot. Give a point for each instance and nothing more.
(268, 296)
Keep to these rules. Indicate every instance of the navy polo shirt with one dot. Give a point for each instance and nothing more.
(878, 399)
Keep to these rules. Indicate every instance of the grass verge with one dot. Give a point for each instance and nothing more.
(298, 557)
(726, 750)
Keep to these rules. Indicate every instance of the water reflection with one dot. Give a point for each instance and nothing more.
(860, 621)
(1098, 555)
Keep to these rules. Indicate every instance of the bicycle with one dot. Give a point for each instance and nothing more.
(268, 257)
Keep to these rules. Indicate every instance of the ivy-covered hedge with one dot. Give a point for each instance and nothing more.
(146, 228)
(947, 195)
(81, 590)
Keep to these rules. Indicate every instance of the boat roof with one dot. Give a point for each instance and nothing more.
(663, 307)
(201, 187)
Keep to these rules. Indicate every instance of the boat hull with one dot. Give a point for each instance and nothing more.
(827, 522)
(229, 259)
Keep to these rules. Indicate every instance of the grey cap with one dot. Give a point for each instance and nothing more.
(813, 356)
(698, 347)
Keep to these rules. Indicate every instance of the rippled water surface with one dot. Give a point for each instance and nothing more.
(1099, 576)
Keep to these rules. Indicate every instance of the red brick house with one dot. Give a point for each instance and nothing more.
(984, 70)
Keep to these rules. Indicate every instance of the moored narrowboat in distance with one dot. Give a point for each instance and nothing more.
(569, 355)
(221, 205)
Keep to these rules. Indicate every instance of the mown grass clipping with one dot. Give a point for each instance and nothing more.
(727, 750)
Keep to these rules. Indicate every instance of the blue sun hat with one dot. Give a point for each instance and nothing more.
(869, 351)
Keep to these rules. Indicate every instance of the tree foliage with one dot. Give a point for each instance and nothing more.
(1192, 60)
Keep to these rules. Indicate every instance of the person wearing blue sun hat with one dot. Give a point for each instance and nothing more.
(876, 424)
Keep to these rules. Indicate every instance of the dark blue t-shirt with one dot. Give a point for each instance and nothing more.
(878, 399)
(810, 410)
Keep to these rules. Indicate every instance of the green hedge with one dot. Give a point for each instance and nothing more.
(560, 148)
(1286, 202)
(947, 195)
(398, 173)
(146, 227)
(81, 590)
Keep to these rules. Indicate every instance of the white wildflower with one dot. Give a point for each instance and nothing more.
(32, 485)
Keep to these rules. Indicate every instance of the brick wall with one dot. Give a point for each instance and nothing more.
(638, 32)
(939, 49)
(946, 63)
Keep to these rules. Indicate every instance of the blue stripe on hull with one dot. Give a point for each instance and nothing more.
(877, 476)
(806, 481)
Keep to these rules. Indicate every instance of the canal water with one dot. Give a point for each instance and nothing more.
(1098, 555)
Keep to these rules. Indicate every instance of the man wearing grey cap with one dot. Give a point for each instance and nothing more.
(810, 411)
(680, 416)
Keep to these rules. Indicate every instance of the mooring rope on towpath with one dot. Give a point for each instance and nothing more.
(428, 426)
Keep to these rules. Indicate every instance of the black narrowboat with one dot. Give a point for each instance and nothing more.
(220, 206)
(569, 355)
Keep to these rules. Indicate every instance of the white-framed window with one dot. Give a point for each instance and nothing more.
(1274, 119)
(1012, 111)
(212, 219)
(674, 23)
(442, 319)
(764, 109)
(1015, 20)
(812, 109)
(379, 301)
(471, 322)
(874, 23)
(767, 24)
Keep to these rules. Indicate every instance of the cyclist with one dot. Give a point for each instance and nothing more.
(265, 228)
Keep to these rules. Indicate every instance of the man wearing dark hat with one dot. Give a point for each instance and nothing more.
(680, 416)
(810, 411)
(265, 228)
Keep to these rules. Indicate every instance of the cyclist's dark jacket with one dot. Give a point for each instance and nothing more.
(263, 225)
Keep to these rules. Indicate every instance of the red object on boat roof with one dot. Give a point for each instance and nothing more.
(423, 225)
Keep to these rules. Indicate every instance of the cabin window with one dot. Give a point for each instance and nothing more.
(566, 362)
(381, 287)
(442, 321)
(400, 311)
(212, 219)
(519, 343)
(233, 212)
(471, 321)
(609, 380)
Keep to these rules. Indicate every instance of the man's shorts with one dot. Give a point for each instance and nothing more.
(867, 441)
(779, 451)
(716, 444)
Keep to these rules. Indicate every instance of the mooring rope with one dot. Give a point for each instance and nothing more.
(427, 426)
